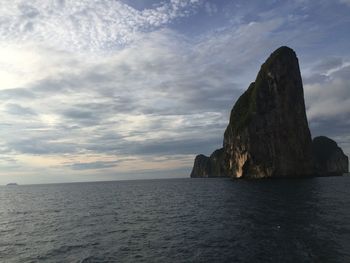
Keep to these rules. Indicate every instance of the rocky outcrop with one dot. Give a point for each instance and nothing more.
(200, 167)
(329, 158)
(268, 133)
(217, 164)
(213, 166)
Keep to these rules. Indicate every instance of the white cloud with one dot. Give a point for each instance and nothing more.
(83, 25)
(330, 96)
(21, 64)
(327, 98)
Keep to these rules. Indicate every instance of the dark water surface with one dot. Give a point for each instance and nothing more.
(182, 220)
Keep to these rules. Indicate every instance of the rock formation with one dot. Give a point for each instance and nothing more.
(329, 158)
(212, 166)
(200, 167)
(268, 133)
(217, 164)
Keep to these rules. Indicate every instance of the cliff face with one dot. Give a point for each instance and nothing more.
(212, 166)
(217, 164)
(200, 167)
(329, 158)
(268, 133)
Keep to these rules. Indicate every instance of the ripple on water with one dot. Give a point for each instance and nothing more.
(214, 220)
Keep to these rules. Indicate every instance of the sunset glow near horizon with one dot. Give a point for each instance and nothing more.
(108, 90)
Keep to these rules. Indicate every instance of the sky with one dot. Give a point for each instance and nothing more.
(95, 90)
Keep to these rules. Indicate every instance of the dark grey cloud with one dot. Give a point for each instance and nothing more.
(66, 84)
(78, 114)
(332, 127)
(28, 11)
(17, 93)
(15, 109)
(81, 117)
(37, 146)
(159, 147)
(94, 165)
(343, 74)
(186, 146)
(315, 78)
(329, 63)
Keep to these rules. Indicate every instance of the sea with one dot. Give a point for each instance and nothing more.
(178, 220)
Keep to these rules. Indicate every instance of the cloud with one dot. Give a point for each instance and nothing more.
(86, 83)
(149, 99)
(18, 93)
(154, 97)
(210, 8)
(93, 165)
(41, 146)
(155, 147)
(15, 109)
(328, 64)
(81, 25)
(81, 116)
(329, 97)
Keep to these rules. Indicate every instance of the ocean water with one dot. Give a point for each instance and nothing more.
(181, 220)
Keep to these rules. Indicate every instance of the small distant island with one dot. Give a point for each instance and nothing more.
(12, 184)
(268, 134)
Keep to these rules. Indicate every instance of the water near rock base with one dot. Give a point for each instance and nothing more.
(182, 220)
